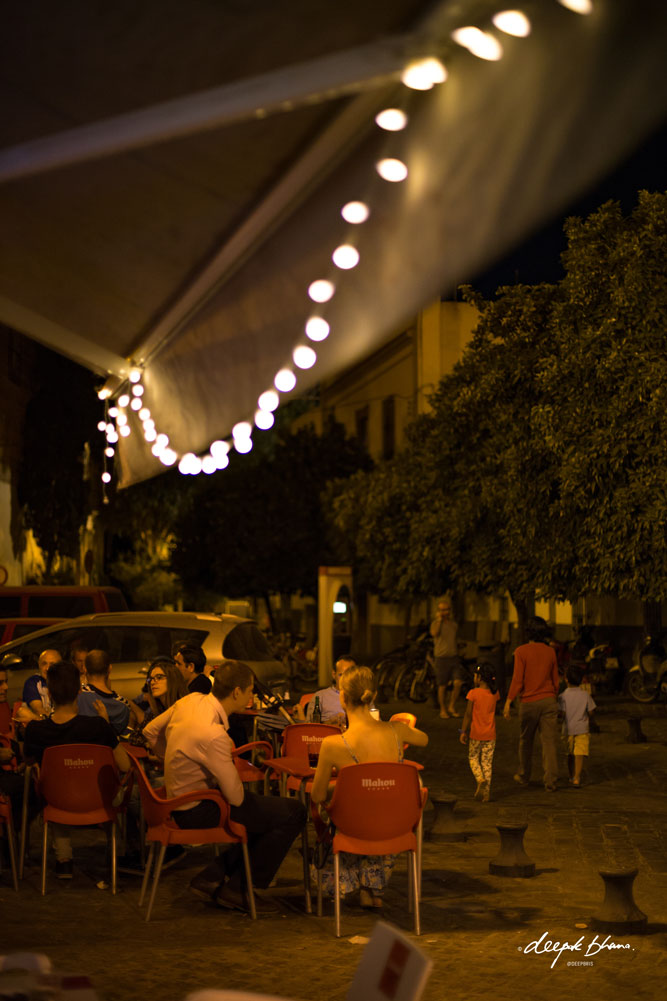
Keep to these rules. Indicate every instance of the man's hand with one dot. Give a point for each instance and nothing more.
(101, 709)
(506, 710)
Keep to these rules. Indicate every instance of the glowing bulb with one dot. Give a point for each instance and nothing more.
(138, 390)
(190, 465)
(268, 400)
(512, 22)
(109, 452)
(121, 420)
(101, 425)
(221, 461)
(285, 380)
(208, 464)
(578, 6)
(113, 411)
(424, 74)
(150, 434)
(317, 328)
(144, 414)
(242, 430)
(123, 400)
(112, 437)
(161, 443)
(480, 43)
(391, 119)
(136, 403)
(392, 169)
(355, 212)
(304, 357)
(110, 427)
(243, 445)
(135, 374)
(148, 423)
(345, 257)
(106, 477)
(218, 449)
(168, 457)
(321, 290)
(264, 419)
(125, 430)
(104, 393)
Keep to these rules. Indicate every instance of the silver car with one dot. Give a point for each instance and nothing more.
(134, 639)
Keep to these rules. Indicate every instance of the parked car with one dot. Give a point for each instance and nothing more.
(58, 601)
(13, 629)
(134, 639)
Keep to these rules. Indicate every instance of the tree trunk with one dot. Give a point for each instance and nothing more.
(525, 609)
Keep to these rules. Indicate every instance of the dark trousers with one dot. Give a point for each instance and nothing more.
(272, 823)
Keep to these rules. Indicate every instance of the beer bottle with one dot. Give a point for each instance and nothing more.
(317, 711)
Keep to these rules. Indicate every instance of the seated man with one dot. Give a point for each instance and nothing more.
(192, 737)
(36, 700)
(67, 726)
(78, 651)
(191, 661)
(123, 715)
(330, 707)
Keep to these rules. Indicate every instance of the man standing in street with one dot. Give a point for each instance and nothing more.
(192, 737)
(191, 661)
(445, 653)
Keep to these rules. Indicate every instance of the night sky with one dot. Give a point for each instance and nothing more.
(538, 259)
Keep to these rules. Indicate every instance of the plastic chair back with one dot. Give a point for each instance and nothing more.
(303, 740)
(157, 808)
(408, 718)
(79, 780)
(376, 801)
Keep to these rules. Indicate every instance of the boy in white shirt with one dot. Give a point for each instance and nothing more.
(577, 706)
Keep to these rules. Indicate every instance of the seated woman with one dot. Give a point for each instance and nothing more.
(164, 685)
(366, 739)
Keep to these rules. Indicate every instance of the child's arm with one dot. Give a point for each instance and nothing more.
(465, 726)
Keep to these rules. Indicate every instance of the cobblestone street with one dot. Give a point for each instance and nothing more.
(475, 926)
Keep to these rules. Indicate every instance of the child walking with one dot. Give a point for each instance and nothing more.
(480, 720)
(577, 706)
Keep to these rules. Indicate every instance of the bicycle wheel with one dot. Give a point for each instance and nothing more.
(386, 678)
(403, 683)
(638, 690)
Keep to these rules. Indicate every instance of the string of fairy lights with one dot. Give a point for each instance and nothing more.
(419, 75)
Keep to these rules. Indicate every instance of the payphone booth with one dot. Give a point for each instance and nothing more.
(334, 618)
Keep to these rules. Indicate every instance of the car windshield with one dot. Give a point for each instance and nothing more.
(246, 642)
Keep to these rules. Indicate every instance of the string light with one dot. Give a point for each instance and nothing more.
(123, 400)
(124, 431)
(480, 43)
(109, 452)
(136, 404)
(285, 380)
(106, 477)
(138, 390)
(578, 6)
(391, 119)
(391, 169)
(321, 290)
(101, 425)
(423, 74)
(512, 22)
(243, 445)
(345, 257)
(264, 419)
(317, 328)
(135, 374)
(268, 400)
(144, 414)
(208, 465)
(241, 430)
(355, 212)
(303, 356)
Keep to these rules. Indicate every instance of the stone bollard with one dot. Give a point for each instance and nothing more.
(512, 859)
(635, 733)
(444, 826)
(619, 913)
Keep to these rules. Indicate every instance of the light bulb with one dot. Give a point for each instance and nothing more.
(345, 257)
(109, 452)
(112, 437)
(321, 290)
(113, 411)
(148, 423)
(123, 400)
(422, 74)
(144, 414)
(125, 430)
(243, 445)
(221, 461)
(161, 443)
(138, 390)
(303, 356)
(268, 400)
(218, 449)
(184, 464)
(391, 169)
(121, 420)
(391, 119)
(135, 374)
(104, 393)
(512, 22)
(242, 430)
(101, 425)
(208, 465)
(479, 43)
(578, 6)
(106, 477)
(150, 434)
(285, 380)
(355, 212)
(136, 403)
(264, 419)
(317, 328)
(168, 457)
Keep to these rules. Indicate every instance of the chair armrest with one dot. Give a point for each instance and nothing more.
(176, 802)
(255, 745)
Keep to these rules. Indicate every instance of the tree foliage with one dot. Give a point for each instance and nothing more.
(542, 464)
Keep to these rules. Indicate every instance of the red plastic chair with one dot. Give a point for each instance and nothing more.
(6, 819)
(80, 783)
(162, 830)
(296, 768)
(376, 809)
(408, 718)
(250, 771)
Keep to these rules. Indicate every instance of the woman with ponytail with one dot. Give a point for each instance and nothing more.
(366, 739)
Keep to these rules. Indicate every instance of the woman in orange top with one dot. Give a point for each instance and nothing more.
(480, 720)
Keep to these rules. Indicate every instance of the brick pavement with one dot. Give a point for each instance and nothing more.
(475, 926)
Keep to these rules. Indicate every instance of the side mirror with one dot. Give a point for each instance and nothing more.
(11, 661)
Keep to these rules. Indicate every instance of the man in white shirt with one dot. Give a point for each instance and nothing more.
(192, 737)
